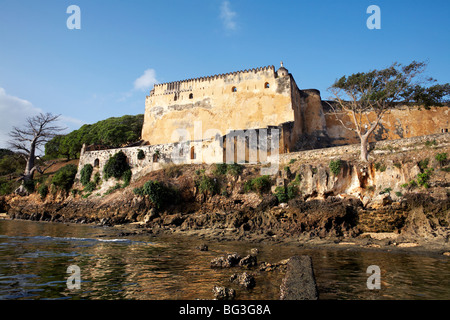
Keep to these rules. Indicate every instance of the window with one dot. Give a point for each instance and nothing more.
(96, 163)
(234, 89)
(155, 157)
(191, 96)
(175, 98)
(266, 85)
(192, 153)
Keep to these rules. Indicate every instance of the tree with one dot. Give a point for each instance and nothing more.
(37, 131)
(112, 132)
(377, 91)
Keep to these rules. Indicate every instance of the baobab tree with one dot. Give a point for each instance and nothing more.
(35, 133)
(375, 91)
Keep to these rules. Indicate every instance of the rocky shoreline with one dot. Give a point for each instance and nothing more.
(421, 221)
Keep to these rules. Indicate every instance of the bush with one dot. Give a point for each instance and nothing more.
(29, 185)
(284, 194)
(97, 178)
(85, 174)
(335, 166)
(65, 177)
(158, 193)
(234, 169)
(431, 143)
(116, 166)
(90, 186)
(280, 193)
(260, 184)
(141, 155)
(43, 191)
(423, 164)
(126, 177)
(221, 169)
(207, 184)
(423, 178)
(380, 167)
(441, 158)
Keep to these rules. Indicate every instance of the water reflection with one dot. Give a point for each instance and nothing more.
(34, 258)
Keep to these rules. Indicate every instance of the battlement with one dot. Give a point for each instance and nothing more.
(200, 82)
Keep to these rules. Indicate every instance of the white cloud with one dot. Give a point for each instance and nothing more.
(228, 16)
(14, 111)
(146, 81)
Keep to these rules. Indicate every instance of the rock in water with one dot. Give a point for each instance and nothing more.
(245, 280)
(222, 293)
(299, 282)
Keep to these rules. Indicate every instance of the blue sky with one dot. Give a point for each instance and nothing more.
(107, 67)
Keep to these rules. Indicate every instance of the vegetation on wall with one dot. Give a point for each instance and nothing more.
(116, 166)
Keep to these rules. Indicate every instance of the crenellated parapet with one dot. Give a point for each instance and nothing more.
(210, 81)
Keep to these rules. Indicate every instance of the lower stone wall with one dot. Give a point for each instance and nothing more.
(379, 147)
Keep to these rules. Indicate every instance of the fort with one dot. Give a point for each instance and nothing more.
(249, 116)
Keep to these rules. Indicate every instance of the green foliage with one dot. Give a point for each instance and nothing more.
(292, 161)
(423, 164)
(11, 163)
(29, 185)
(280, 193)
(65, 177)
(234, 169)
(97, 178)
(292, 191)
(335, 166)
(126, 177)
(386, 190)
(112, 132)
(90, 186)
(141, 155)
(380, 167)
(398, 194)
(398, 165)
(429, 143)
(7, 186)
(284, 194)
(159, 194)
(85, 174)
(43, 191)
(260, 184)
(441, 158)
(207, 185)
(423, 178)
(116, 166)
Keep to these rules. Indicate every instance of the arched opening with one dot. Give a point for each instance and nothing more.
(266, 85)
(193, 153)
(155, 157)
(191, 96)
(96, 163)
(234, 89)
(175, 98)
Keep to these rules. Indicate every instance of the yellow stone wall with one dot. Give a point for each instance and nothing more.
(212, 103)
(404, 122)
